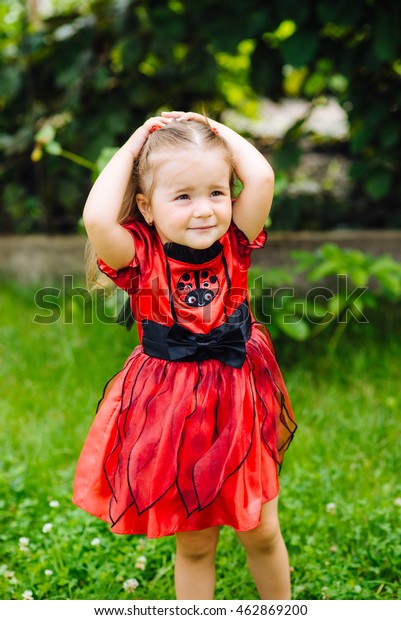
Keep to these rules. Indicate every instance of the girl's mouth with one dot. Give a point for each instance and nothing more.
(201, 227)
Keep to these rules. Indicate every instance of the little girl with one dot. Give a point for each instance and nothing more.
(189, 435)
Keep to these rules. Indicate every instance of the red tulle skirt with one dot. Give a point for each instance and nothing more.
(178, 446)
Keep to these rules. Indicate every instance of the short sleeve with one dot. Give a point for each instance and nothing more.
(244, 247)
(128, 278)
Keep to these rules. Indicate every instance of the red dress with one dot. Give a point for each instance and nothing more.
(191, 432)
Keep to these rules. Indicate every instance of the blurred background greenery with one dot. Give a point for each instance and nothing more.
(316, 86)
(77, 76)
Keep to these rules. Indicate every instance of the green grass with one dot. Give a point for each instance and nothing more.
(346, 452)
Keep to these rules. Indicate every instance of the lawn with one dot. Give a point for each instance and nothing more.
(341, 485)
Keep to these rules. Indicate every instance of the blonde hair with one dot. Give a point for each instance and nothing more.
(176, 135)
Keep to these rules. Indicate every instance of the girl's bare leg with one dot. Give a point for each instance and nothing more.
(267, 555)
(194, 566)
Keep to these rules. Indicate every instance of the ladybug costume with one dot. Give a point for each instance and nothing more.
(191, 432)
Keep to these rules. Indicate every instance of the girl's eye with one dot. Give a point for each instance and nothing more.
(217, 193)
(183, 197)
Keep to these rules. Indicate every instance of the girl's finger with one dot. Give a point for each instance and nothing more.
(181, 116)
(157, 119)
(156, 122)
(184, 116)
(174, 114)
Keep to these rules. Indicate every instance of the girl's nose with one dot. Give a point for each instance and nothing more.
(203, 209)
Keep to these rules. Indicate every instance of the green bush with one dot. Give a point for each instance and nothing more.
(348, 284)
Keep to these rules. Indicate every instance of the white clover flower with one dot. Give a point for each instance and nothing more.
(24, 544)
(48, 572)
(130, 585)
(95, 542)
(331, 508)
(141, 563)
(47, 528)
(9, 574)
(54, 503)
(24, 541)
(334, 549)
(27, 595)
(141, 546)
(397, 501)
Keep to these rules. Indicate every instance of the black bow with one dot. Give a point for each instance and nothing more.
(225, 343)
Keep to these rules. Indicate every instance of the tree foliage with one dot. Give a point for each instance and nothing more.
(92, 71)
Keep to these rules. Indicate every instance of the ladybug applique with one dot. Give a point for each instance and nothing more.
(198, 288)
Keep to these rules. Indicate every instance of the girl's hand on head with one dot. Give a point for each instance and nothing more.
(154, 123)
(139, 137)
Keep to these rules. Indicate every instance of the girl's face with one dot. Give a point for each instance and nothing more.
(191, 201)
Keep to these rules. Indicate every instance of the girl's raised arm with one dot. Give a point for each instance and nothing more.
(252, 206)
(111, 241)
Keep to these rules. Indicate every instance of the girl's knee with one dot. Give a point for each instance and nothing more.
(265, 537)
(197, 545)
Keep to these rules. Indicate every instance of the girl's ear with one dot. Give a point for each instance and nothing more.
(144, 207)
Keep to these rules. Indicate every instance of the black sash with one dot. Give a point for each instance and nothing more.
(226, 343)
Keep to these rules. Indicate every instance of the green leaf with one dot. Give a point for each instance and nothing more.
(304, 259)
(391, 283)
(298, 331)
(358, 275)
(331, 251)
(385, 263)
(379, 184)
(326, 268)
(315, 85)
(45, 134)
(300, 49)
(357, 257)
(53, 148)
